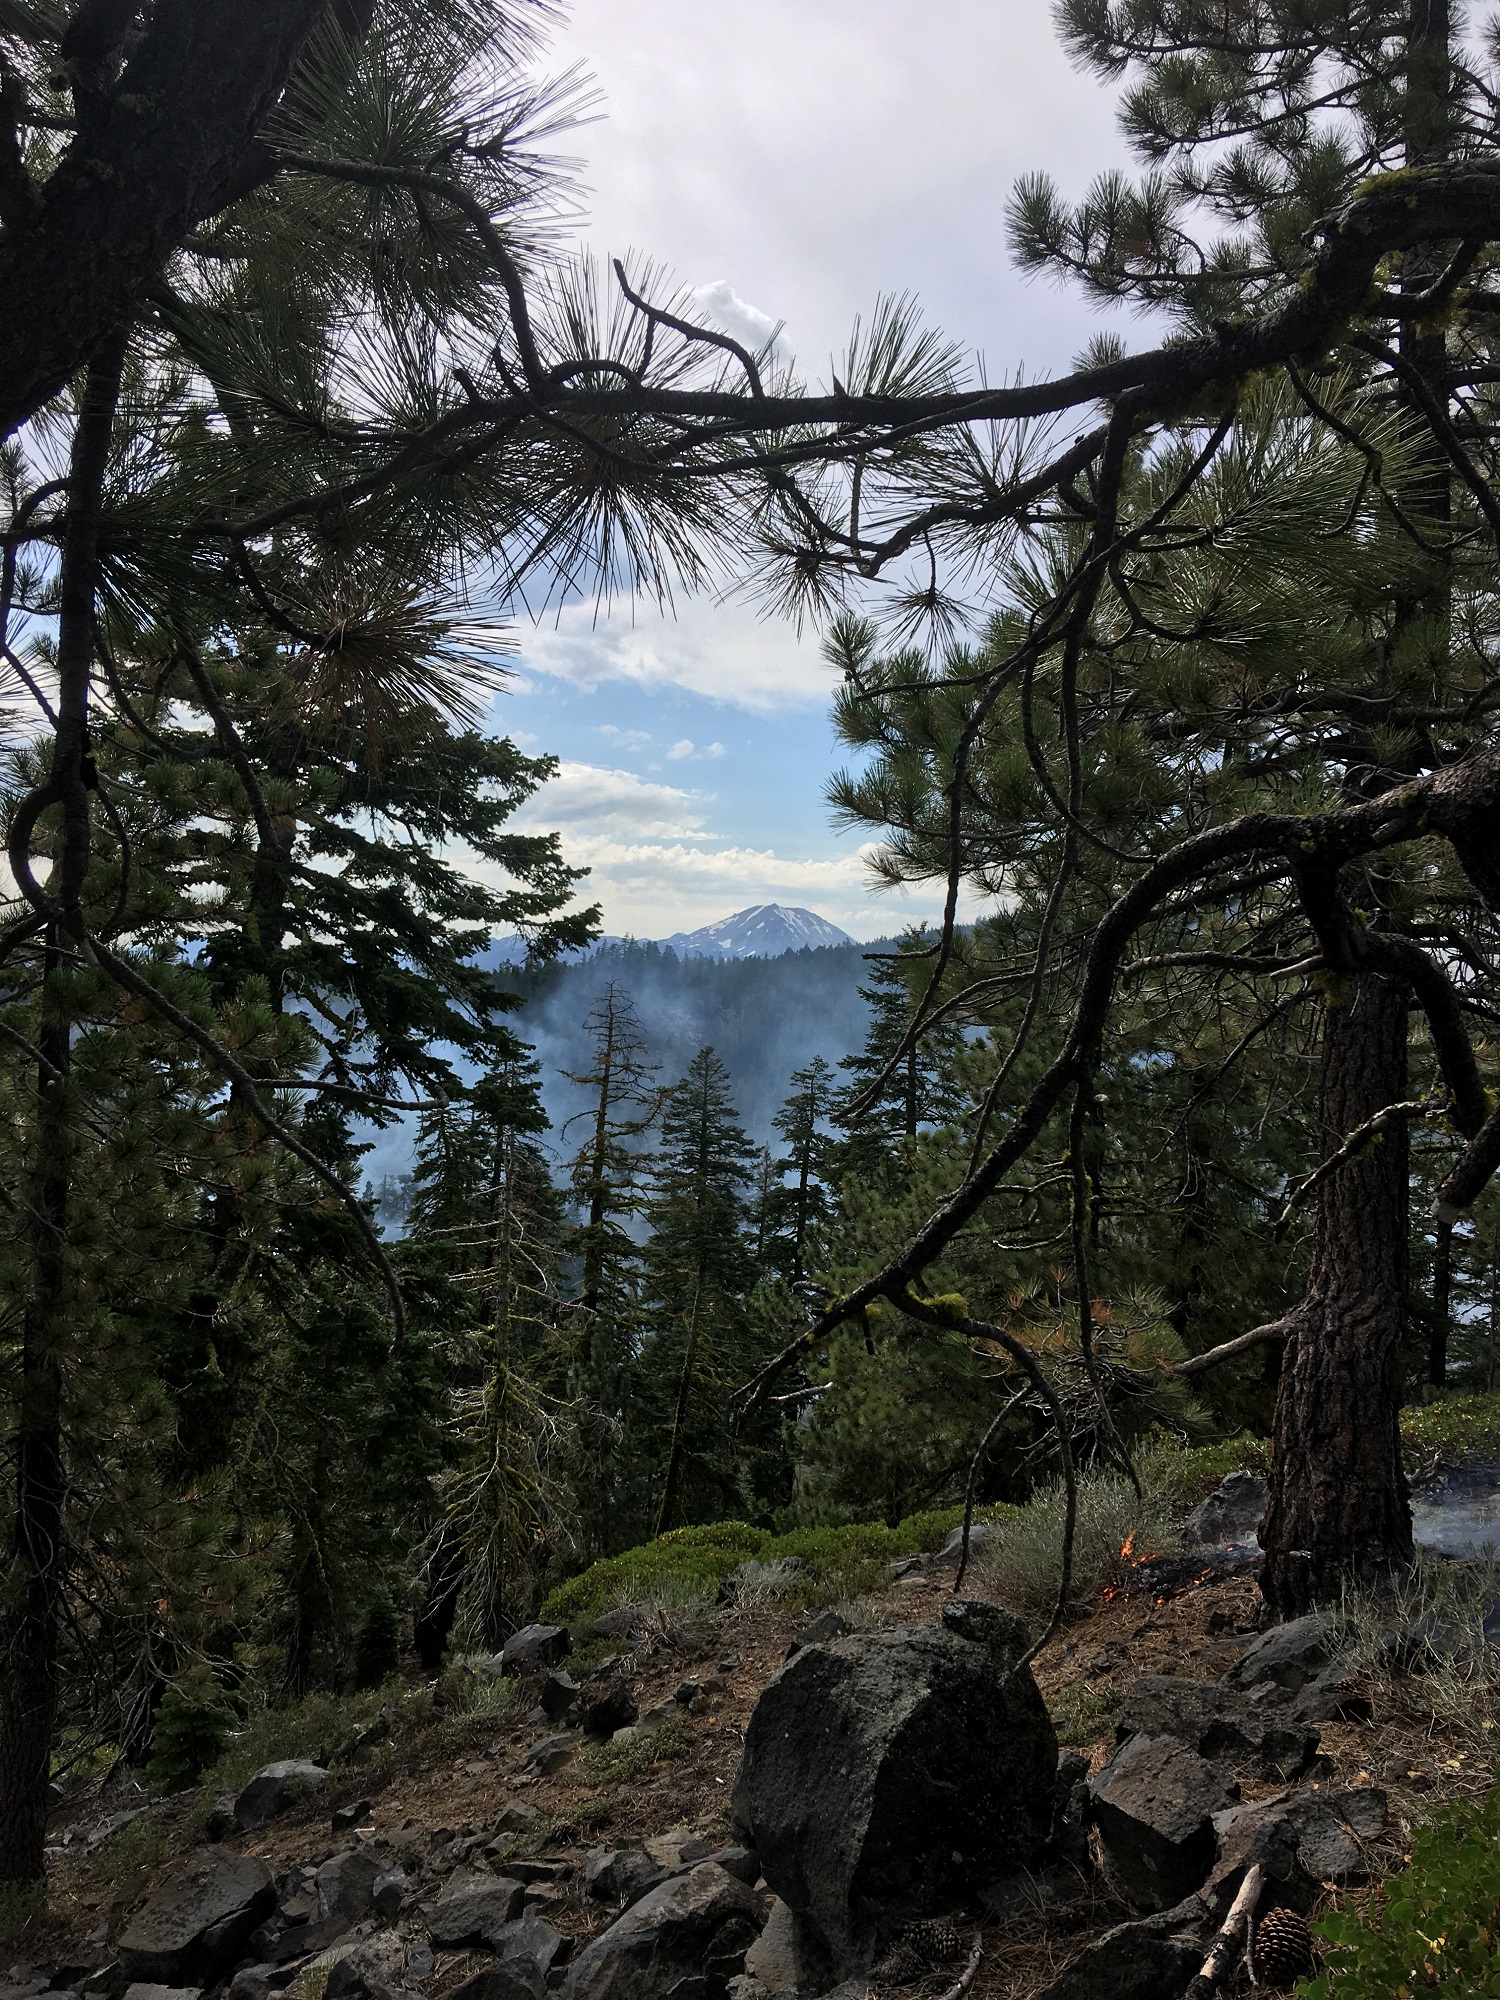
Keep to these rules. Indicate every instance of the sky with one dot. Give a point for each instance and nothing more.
(789, 161)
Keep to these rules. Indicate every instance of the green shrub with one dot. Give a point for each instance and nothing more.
(193, 1723)
(1432, 1929)
(690, 1564)
(1455, 1426)
(618, 1763)
(1019, 1567)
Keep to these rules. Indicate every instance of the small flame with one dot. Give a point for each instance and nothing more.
(1127, 1547)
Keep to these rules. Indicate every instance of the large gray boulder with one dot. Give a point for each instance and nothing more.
(535, 1646)
(276, 1788)
(204, 1909)
(1288, 1656)
(1231, 1513)
(888, 1774)
(1255, 1738)
(1153, 1805)
(696, 1926)
(474, 1909)
(345, 1884)
(1154, 1958)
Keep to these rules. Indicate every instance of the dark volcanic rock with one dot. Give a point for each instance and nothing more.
(1231, 1513)
(203, 1910)
(611, 1709)
(620, 1874)
(275, 1788)
(1288, 1655)
(697, 1925)
(345, 1884)
(535, 1646)
(1154, 1959)
(473, 1909)
(1153, 1804)
(886, 1774)
(1221, 1723)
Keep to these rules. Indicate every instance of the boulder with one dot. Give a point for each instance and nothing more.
(346, 1883)
(388, 1892)
(1334, 1696)
(772, 1960)
(1231, 1513)
(258, 1982)
(695, 1925)
(535, 1646)
(348, 1817)
(1288, 1655)
(887, 1774)
(303, 1940)
(549, 1753)
(1155, 1958)
(473, 1909)
(620, 1874)
(1302, 1839)
(1255, 1738)
(1153, 1805)
(827, 1626)
(558, 1698)
(145, 1990)
(982, 1535)
(203, 1910)
(367, 1971)
(516, 1819)
(611, 1709)
(276, 1788)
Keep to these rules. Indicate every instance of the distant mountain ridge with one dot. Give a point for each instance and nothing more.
(765, 930)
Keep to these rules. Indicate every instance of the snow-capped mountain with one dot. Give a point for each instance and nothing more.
(765, 930)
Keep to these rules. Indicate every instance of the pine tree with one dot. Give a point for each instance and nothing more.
(797, 1209)
(699, 1272)
(486, 1207)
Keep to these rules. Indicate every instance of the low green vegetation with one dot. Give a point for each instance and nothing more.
(691, 1563)
(1432, 1929)
(618, 1763)
(1451, 1428)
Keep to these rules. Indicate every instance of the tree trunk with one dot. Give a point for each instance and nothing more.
(30, 1627)
(1338, 1506)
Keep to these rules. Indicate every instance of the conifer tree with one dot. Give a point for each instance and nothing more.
(797, 1208)
(699, 1272)
(487, 1206)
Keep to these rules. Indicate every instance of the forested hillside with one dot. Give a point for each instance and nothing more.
(1173, 670)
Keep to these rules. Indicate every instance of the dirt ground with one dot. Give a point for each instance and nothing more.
(459, 1776)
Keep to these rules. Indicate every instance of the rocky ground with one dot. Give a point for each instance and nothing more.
(494, 1851)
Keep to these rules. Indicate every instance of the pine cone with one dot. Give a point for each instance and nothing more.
(1283, 1947)
(901, 1966)
(933, 1941)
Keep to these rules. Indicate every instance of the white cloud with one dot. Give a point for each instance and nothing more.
(684, 748)
(626, 739)
(725, 651)
(714, 750)
(589, 802)
(721, 305)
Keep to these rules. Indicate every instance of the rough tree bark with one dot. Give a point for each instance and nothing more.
(1338, 1508)
(29, 1628)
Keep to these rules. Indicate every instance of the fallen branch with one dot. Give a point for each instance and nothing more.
(1222, 1949)
(970, 1972)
